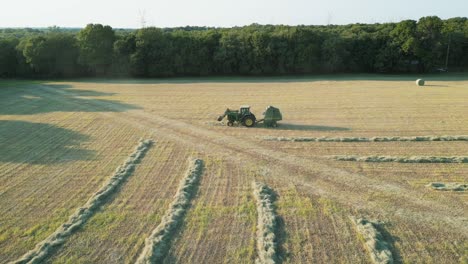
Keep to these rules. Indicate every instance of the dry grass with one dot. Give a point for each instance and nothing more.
(378, 248)
(158, 243)
(455, 187)
(412, 159)
(222, 218)
(82, 214)
(51, 170)
(266, 224)
(117, 232)
(364, 139)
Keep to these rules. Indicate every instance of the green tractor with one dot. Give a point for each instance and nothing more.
(246, 118)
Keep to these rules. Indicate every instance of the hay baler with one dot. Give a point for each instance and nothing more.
(246, 118)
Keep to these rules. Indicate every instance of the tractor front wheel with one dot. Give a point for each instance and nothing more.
(230, 123)
(249, 121)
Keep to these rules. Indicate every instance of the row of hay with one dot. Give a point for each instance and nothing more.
(374, 242)
(364, 139)
(454, 187)
(157, 244)
(266, 224)
(411, 159)
(82, 214)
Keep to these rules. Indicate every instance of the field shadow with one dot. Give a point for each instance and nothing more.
(286, 126)
(282, 78)
(435, 85)
(37, 143)
(280, 230)
(397, 259)
(45, 98)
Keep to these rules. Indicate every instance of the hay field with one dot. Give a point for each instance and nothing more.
(61, 141)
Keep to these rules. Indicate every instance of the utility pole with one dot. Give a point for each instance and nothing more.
(142, 15)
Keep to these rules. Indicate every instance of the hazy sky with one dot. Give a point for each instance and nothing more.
(223, 13)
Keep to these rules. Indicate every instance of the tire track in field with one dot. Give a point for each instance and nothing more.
(84, 213)
(328, 181)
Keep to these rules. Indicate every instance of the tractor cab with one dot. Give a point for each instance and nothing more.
(245, 110)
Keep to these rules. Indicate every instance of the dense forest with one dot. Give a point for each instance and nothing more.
(428, 45)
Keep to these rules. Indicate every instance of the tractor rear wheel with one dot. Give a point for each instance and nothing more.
(249, 121)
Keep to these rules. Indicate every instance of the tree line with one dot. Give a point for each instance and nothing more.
(427, 45)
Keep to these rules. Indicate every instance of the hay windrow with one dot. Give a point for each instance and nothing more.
(375, 244)
(158, 243)
(266, 224)
(82, 214)
(454, 187)
(366, 139)
(410, 159)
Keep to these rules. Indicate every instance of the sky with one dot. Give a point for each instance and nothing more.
(219, 13)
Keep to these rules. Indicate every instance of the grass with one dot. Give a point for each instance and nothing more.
(411, 159)
(59, 141)
(158, 243)
(266, 224)
(378, 248)
(372, 139)
(456, 187)
(82, 214)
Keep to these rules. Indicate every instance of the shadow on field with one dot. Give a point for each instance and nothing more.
(397, 259)
(283, 126)
(45, 98)
(281, 235)
(36, 143)
(434, 85)
(283, 79)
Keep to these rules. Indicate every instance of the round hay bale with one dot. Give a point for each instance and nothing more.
(420, 82)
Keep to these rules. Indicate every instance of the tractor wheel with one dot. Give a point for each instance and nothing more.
(230, 123)
(249, 121)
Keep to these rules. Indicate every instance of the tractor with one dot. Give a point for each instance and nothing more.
(246, 118)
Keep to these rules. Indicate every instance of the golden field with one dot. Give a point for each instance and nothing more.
(61, 141)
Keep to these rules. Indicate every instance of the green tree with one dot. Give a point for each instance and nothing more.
(8, 58)
(334, 54)
(96, 43)
(53, 55)
(429, 48)
(456, 41)
(124, 47)
(153, 54)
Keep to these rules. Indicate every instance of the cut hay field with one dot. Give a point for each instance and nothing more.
(62, 144)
